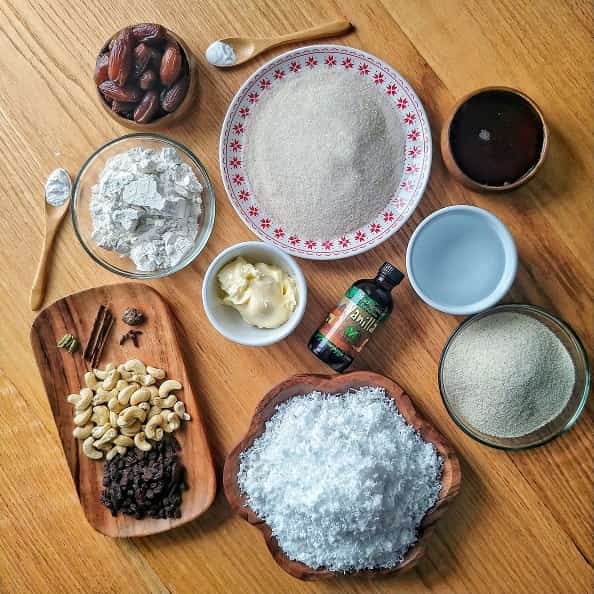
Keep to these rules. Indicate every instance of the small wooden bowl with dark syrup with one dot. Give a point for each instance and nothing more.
(495, 139)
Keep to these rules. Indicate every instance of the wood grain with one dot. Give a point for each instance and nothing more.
(522, 522)
(62, 374)
(339, 384)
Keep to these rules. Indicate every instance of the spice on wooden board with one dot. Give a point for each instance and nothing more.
(68, 342)
(133, 317)
(131, 334)
(99, 334)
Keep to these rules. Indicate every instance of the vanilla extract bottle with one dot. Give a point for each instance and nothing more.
(348, 328)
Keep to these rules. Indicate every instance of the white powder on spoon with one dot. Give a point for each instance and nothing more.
(324, 152)
(342, 480)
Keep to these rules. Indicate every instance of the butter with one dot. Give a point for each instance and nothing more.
(263, 294)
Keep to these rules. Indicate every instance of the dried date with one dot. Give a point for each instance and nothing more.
(150, 33)
(171, 98)
(127, 94)
(148, 80)
(171, 64)
(101, 68)
(147, 108)
(121, 58)
(142, 56)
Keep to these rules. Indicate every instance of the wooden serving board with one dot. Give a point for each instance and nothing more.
(303, 384)
(62, 374)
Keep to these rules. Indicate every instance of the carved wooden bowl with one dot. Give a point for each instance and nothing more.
(304, 384)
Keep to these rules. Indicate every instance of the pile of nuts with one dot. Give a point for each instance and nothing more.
(143, 73)
(124, 406)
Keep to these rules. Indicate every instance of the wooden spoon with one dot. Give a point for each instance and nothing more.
(246, 48)
(54, 215)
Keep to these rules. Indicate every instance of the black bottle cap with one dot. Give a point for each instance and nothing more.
(390, 273)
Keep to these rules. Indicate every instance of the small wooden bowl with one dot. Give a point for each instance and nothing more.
(452, 165)
(171, 118)
(304, 384)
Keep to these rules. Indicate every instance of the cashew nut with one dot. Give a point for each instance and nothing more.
(135, 366)
(83, 417)
(145, 406)
(172, 422)
(155, 372)
(108, 436)
(113, 418)
(73, 398)
(100, 430)
(152, 425)
(154, 393)
(111, 379)
(131, 414)
(131, 430)
(124, 441)
(179, 408)
(82, 432)
(168, 402)
(102, 397)
(168, 386)
(154, 410)
(116, 405)
(111, 454)
(89, 450)
(122, 383)
(159, 434)
(100, 415)
(141, 395)
(100, 374)
(141, 443)
(124, 374)
(104, 446)
(90, 380)
(124, 395)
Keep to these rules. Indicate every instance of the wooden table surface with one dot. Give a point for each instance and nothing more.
(523, 521)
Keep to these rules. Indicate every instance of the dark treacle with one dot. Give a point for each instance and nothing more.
(496, 137)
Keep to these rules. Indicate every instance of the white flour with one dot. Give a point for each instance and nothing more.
(220, 54)
(324, 152)
(146, 206)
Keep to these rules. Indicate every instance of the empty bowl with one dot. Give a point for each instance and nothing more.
(461, 260)
(226, 319)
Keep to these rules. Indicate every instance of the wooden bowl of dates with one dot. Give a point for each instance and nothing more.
(339, 384)
(146, 77)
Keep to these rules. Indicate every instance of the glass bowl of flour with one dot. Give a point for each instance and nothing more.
(514, 377)
(143, 206)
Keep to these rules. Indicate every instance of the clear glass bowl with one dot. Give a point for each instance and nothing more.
(575, 404)
(88, 176)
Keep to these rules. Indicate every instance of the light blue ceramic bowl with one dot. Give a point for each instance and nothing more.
(461, 260)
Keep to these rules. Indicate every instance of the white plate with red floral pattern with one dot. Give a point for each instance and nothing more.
(399, 206)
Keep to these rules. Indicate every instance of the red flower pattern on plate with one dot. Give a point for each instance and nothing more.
(311, 62)
(327, 245)
(391, 90)
(238, 179)
(402, 103)
(310, 244)
(360, 236)
(363, 68)
(278, 233)
(238, 128)
(244, 112)
(330, 61)
(412, 168)
(413, 134)
(295, 67)
(265, 223)
(253, 97)
(279, 73)
(375, 227)
(235, 145)
(388, 216)
(253, 210)
(414, 152)
(294, 240)
(399, 203)
(378, 78)
(344, 241)
(244, 195)
(409, 118)
(347, 63)
(264, 84)
(235, 162)
(407, 185)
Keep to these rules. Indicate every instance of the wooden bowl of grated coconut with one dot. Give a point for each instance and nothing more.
(350, 478)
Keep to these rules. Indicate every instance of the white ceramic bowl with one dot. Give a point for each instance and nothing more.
(226, 319)
(461, 260)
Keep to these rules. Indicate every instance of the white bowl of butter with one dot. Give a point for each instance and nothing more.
(254, 293)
